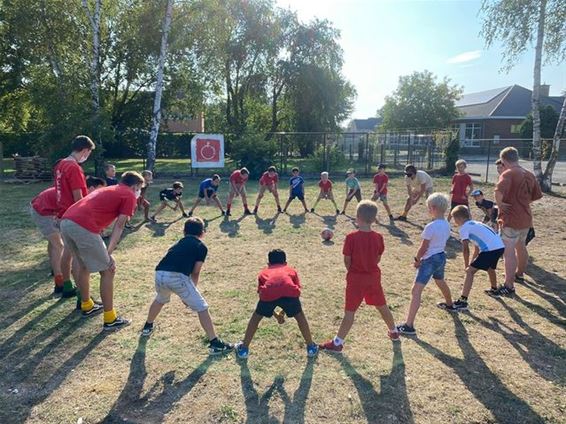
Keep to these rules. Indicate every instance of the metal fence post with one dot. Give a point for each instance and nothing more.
(488, 160)
(324, 154)
(1, 158)
(367, 153)
(280, 152)
(382, 153)
(409, 150)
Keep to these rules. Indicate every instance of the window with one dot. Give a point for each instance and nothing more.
(515, 129)
(473, 134)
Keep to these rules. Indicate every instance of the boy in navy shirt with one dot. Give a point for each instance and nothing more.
(178, 272)
(171, 194)
(207, 191)
(296, 189)
(487, 207)
(110, 174)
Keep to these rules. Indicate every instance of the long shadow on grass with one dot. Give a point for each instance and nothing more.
(539, 352)
(231, 226)
(159, 228)
(257, 407)
(392, 403)
(297, 221)
(486, 387)
(160, 398)
(266, 225)
(545, 282)
(22, 311)
(398, 233)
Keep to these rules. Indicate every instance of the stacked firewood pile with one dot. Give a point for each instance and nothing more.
(32, 168)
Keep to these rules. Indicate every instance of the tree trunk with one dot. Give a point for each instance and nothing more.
(156, 116)
(537, 148)
(546, 185)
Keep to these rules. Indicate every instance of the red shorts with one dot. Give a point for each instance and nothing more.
(142, 201)
(368, 290)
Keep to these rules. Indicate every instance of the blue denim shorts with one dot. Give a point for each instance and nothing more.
(431, 267)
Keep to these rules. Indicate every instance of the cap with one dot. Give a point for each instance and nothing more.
(477, 193)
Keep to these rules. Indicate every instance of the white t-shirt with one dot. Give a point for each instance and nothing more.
(481, 235)
(438, 233)
(421, 177)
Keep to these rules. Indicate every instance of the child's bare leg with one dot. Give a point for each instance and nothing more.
(83, 282)
(416, 294)
(408, 205)
(286, 204)
(346, 324)
(468, 281)
(244, 199)
(154, 310)
(304, 327)
(66, 260)
(345, 204)
(492, 278)
(180, 204)
(387, 208)
(197, 202)
(251, 329)
(305, 205)
(276, 195)
(206, 324)
(445, 291)
(55, 252)
(259, 196)
(162, 206)
(106, 289)
(387, 316)
(217, 201)
(146, 212)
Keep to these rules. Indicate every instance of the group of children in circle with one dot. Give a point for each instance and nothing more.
(72, 217)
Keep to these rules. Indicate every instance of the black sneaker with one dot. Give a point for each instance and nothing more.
(57, 291)
(217, 347)
(461, 305)
(506, 291)
(492, 292)
(186, 215)
(147, 329)
(343, 213)
(66, 294)
(255, 211)
(128, 226)
(247, 212)
(228, 212)
(118, 323)
(337, 211)
(519, 279)
(152, 219)
(391, 217)
(279, 209)
(96, 309)
(312, 210)
(402, 218)
(444, 306)
(407, 330)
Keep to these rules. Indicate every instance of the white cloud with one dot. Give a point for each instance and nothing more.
(465, 57)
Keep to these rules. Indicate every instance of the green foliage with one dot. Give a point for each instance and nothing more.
(334, 158)
(451, 153)
(254, 152)
(421, 102)
(548, 122)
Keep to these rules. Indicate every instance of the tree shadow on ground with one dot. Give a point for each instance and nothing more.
(257, 407)
(297, 220)
(267, 225)
(132, 406)
(392, 403)
(159, 228)
(539, 352)
(485, 386)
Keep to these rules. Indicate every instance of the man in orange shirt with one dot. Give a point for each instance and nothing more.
(514, 192)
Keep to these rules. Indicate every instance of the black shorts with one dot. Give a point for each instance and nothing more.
(454, 204)
(290, 305)
(210, 192)
(354, 193)
(299, 196)
(494, 214)
(488, 260)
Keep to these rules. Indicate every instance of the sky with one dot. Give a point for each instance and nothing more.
(385, 39)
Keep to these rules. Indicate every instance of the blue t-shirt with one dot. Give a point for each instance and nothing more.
(207, 185)
(296, 184)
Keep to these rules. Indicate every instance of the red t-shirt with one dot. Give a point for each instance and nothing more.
(460, 183)
(238, 178)
(326, 186)
(96, 211)
(379, 181)
(69, 176)
(278, 281)
(266, 180)
(45, 203)
(364, 247)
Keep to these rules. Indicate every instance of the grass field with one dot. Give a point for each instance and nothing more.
(503, 362)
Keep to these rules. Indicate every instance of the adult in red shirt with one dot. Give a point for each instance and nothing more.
(278, 286)
(268, 181)
(81, 226)
(70, 185)
(462, 187)
(516, 189)
(380, 182)
(238, 181)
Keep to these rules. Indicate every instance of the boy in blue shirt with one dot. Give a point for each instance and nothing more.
(296, 189)
(207, 191)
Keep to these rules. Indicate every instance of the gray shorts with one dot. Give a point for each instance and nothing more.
(382, 197)
(47, 225)
(167, 282)
(513, 236)
(88, 248)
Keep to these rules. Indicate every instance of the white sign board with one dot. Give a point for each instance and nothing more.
(207, 151)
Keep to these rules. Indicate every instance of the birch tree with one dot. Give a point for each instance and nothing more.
(156, 115)
(547, 178)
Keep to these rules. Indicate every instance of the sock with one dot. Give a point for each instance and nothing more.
(110, 316)
(464, 298)
(228, 206)
(58, 279)
(87, 306)
(338, 341)
(148, 324)
(67, 285)
(214, 340)
(245, 205)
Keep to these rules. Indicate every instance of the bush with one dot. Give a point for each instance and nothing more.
(451, 152)
(334, 159)
(254, 152)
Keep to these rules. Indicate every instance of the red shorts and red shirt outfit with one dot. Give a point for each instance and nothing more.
(363, 280)
(266, 180)
(278, 285)
(45, 203)
(325, 186)
(69, 176)
(379, 181)
(460, 182)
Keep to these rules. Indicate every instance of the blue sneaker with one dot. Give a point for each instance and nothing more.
(312, 350)
(242, 352)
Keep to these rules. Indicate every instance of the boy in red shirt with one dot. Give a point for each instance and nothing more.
(325, 191)
(238, 181)
(362, 252)
(70, 185)
(462, 187)
(268, 181)
(278, 285)
(81, 226)
(380, 181)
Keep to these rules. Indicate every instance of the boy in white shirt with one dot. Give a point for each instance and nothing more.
(419, 184)
(430, 261)
(488, 249)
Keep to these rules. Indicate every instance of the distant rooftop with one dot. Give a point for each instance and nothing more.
(368, 124)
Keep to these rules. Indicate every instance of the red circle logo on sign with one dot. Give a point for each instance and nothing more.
(207, 150)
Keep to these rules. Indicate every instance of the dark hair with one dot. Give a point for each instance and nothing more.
(410, 169)
(272, 169)
(177, 184)
(499, 162)
(245, 171)
(381, 166)
(194, 226)
(95, 182)
(131, 178)
(215, 177)
(277, 256)
(295, 169)
(108, 166)
(82, 142)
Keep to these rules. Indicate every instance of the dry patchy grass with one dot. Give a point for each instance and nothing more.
(505, 361)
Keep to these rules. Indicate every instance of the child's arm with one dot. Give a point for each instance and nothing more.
(470, 189)
(196, 272)
(488, 214)
(347, 262)
(476, 253)
(420, 253)
(383, 188)
(466, 253)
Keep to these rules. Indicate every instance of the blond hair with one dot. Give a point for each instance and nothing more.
(438, 201)
(461, 212)
(509, 154)
(147, 173)
(461, 162)
(366, 211)
(324, 174)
